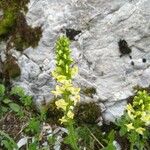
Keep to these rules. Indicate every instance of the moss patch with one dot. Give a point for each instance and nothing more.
(88, 91)
(24, 35)
(87, 112)
(14, 25)
(11, 68)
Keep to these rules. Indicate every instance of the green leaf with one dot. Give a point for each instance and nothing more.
(2, 90)
(7, 144)
(15, 107)
(110, 147)
(6, 101)
(8, 141)
(4, 109)
(111, 136)
(27, 100)
(33, 126)
(18, 91)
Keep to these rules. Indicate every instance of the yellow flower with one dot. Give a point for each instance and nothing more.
(140, 130)
(70, 114)
(130, 111)
(58, 91)
(131, 115)
(63, 120)
(129, 127)
(130, 108)
(61, 104)
(75, 99)
(54, 74)
(138, 113)
(74, 71)
(74, 91)
(145, 118)
(61, 78)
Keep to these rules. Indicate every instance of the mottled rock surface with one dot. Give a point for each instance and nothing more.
(103, 23)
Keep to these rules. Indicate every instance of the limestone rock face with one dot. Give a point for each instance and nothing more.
(102, 24)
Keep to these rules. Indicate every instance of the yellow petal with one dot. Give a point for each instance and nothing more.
(74, 71)
(70, 114)
(130, 108)
(61, 104)
(129, 127)
(63, 120)
(140, 130)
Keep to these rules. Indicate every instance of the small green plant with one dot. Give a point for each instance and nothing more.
(109, 141)
(25, 99)
(65, 92)
(6, 103)
(6, 141)
(33, 126)
(136, 121)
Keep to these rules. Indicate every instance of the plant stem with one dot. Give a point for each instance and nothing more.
(72, 136)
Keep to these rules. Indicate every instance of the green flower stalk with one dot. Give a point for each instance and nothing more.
(66, 93)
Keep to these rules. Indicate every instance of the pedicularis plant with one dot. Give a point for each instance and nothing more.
(66, 93)
(135, 123)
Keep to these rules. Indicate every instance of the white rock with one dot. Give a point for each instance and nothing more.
(22, 142)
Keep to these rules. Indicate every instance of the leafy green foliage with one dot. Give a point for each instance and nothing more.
(90, 136)
(2, 90)
(109, 141)
(6, 141)
(15, 107)
(25, 99)
(33, 126)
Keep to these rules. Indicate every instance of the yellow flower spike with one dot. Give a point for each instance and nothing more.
(61, 104)
(129, 127)
(63, 120)
(70, 114)
(140, 130)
